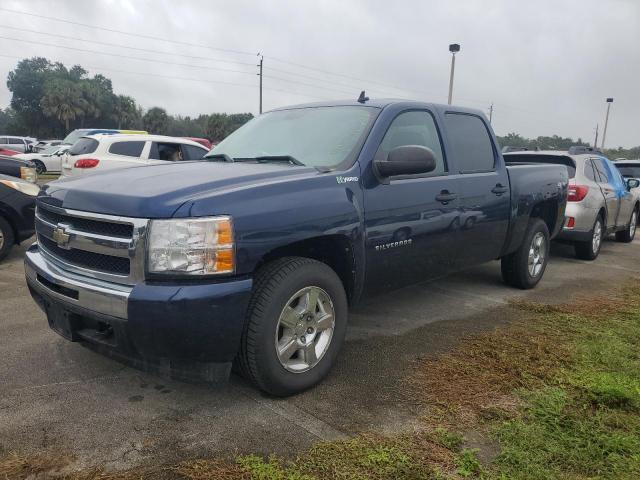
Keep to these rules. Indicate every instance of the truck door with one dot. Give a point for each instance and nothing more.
(410, 220)
(484, 192)
(611, 196)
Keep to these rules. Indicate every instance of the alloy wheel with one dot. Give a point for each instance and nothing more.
(537, 254)
(305, 329)
(597, 236)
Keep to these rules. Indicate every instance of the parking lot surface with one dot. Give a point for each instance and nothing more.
(57, 395)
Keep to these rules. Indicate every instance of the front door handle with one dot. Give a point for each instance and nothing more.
(499, 189)
(445, 196)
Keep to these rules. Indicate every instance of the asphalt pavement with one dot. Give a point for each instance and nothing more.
(57, 395)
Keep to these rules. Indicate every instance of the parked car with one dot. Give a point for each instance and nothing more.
(8, 153)
(17, 207)
(628, 168)
(48, 160)
(42, 145)
(18, 144)
(600, 201)
(257, 254)
(14, 167)
(103, 152)
(202, 141)
(81, 132)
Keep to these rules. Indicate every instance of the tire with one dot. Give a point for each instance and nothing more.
(7, 238)
(627, 235)
(40, 167)
(589, 250)
(516, 270)
(276, 285)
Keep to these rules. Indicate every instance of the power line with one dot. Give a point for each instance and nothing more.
(126, 56)
(122, 32)
(128, 47)
(171, 77)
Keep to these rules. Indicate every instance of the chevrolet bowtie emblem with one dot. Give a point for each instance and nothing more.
(61, 237)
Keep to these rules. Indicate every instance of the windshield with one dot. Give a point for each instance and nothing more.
(50, 150)
(314, 136)
(629, 170)
(74, 136)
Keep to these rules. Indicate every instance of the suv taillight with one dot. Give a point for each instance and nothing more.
(86, 163)
(576, 193)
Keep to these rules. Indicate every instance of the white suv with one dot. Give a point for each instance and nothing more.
(94, 153)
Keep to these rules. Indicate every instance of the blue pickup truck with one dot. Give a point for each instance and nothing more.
(254, 256)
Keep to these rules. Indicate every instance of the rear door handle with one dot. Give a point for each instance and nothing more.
(499, 189)
(445, 197)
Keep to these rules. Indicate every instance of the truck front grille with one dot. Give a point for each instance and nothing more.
(120, 230)
(81, 258)
(100, 246)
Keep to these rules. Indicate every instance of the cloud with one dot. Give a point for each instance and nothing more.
(547, 66)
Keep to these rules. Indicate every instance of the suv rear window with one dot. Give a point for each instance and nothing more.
(83, 146)
(629, 170)
(130, 149)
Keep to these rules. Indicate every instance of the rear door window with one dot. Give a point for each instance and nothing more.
(601, 171)
(84, 146)
(130, 149)
(471, 144)
(191, 152)
(16, 141)
(166, 151)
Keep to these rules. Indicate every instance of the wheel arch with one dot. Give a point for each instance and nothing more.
(336, 251)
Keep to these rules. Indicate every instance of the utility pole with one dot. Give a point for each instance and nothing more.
(453, 48)
(606, 122)
(595, 142)
(491, 113)
(260, 75)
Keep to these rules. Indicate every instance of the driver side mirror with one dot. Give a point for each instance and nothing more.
(406, 160)
(633, 183)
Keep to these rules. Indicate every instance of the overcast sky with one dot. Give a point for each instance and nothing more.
(547, 66)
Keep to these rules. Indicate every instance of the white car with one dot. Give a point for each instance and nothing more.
(94, 153)
(47, 160)
(41, 145)
(19, 144)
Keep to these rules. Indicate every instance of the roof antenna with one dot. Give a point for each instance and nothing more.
(362, 98)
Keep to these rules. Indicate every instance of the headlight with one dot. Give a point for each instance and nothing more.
(29, 174)
(26, 188)
(191, 246)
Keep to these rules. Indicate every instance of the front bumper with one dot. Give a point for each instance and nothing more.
(151, 323)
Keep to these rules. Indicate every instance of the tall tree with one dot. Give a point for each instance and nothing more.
(156, 121)
(61, 100)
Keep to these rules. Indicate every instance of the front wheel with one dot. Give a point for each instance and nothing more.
(6, 238)
(627, 235)
(40, 168)
(296, 323)
(524, 267)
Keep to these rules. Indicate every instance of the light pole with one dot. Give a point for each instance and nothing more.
(606, 122)
(453, 48)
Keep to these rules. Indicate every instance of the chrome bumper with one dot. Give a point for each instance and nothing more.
(79, 291)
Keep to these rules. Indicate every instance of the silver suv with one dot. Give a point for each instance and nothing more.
(600, 202)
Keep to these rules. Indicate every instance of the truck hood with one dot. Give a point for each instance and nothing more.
(158, 191)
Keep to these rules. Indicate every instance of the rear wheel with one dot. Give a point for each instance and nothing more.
(629, 233)
(296, 322)
(590, 249)
(525, 267)
(7, 238)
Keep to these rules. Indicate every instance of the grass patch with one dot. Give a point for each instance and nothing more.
(557, 391)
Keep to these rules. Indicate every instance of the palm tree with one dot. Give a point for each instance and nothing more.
(61, 100)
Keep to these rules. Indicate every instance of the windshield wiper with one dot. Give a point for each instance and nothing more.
(219, 156)
(276, 158)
